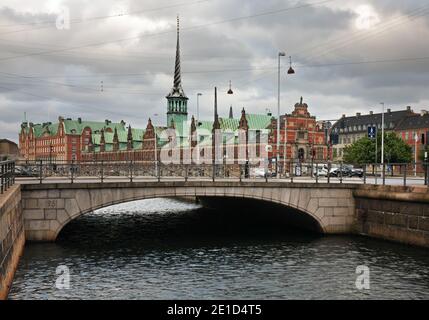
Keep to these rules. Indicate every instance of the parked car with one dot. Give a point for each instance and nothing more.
(320, 172)
(24, 172)
(356, 172)
(338, 172)
(262, 173)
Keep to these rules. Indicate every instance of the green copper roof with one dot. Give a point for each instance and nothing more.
(76, 127)
(255, 122)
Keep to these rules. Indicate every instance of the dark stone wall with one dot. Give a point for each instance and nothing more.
(12, 237)
(396, 220)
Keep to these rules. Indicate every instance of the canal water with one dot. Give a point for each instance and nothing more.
(166, 249)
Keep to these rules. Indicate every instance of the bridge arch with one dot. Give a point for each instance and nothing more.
(47, 211)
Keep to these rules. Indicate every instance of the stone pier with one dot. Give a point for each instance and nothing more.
(12, 237)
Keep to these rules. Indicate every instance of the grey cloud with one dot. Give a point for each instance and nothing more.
(71, 80)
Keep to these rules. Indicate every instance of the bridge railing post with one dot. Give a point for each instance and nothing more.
(13, 172)
(241, 171)
(72, 171)
(102, 171)
(317, 173)
(364, 174)
(329, 172)
(40, 171)
(213, 171)
(341, 172)
(158, 173)
(384, 174)
(405, 175)
(2, 183)
(186, 173)
(131, 170)
(427, 174)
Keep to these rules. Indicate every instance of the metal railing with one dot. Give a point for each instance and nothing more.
(292, 171)
(7, 175)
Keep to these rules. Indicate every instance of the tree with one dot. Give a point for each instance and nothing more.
(363, 150)
(422, 153)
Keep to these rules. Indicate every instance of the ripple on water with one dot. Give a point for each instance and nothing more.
(166, 249)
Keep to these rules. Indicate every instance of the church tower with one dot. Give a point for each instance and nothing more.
(177, 101)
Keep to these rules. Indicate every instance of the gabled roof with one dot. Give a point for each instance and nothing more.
(391, 120)
(416, 121)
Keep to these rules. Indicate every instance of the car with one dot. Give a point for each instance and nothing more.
(262, 173)
(320, 172)
(356, 172)
(24, 172)
(340, 172)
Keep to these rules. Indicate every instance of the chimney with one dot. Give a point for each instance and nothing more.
(79, 120)
(408, 108)
(358, 114)
(344, 115)
(107, 121)
(389, 110)
(371, 112)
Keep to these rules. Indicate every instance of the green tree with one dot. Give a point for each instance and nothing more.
(422, 153)
(363, 150)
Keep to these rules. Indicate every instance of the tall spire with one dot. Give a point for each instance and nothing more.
(177, 74)
(177, 90)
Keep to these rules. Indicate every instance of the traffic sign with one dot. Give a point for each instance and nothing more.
(372, 132)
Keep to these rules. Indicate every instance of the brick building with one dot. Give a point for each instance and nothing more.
(412, 127)
(348, 130)
(302, 138)
(64, 140)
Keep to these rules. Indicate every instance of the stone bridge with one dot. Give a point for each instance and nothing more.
(47, 208)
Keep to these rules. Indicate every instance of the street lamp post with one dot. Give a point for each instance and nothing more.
(416, 139)
(281, 54)
(290, 71)
(382, 138)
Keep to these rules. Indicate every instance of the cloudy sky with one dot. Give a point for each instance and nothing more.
(115, 58)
